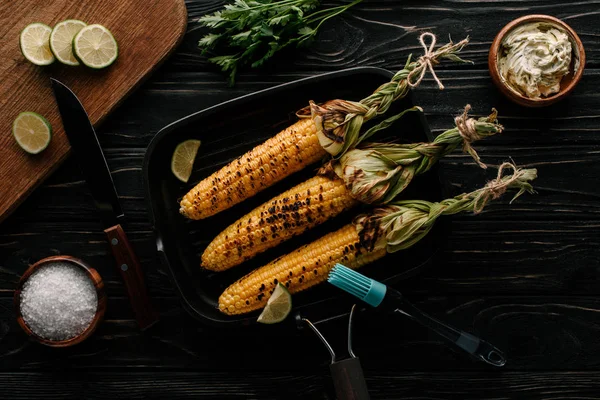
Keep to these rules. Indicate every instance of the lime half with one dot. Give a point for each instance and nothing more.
(35, 44)
(61, 40)
(278, 307)
(183, 159)
(95, 47)
(32, 132)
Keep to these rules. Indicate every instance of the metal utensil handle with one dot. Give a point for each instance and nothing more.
(348, 380)
(469, 343)
(131, 272)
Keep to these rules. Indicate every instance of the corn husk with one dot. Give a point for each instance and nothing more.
(377, 173)
(339, 122)
(403, 223)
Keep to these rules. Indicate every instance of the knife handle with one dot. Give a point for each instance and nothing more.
(132, 275)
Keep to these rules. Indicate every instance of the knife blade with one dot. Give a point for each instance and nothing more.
(84, 143)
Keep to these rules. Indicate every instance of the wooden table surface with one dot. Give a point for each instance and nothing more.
(524, 277)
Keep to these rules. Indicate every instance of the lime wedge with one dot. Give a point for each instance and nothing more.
(183, 159)
(32, 132)
(61, 40)
(95, 47)
(278, 307)
(35, 44)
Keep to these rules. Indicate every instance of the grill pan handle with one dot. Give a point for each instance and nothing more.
(348, 380)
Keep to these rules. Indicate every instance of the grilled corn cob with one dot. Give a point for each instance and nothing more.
(332, 128)
(374, 175)
(287, 215)
(386, 229)
(299, 270)
(291, 150)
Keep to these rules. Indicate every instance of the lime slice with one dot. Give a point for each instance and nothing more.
(95, 47)
(278, 307)
(183, 159)
(35, 44)
(32, 132)
(61, 40)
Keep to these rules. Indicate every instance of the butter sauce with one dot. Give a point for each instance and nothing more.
(536, 56)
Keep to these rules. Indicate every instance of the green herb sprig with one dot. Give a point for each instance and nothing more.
(249, 32)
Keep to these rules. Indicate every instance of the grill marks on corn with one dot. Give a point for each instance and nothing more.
(299, 270)
(287, 152)
(285, 216)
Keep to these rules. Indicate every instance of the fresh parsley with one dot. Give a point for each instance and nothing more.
(249, 32)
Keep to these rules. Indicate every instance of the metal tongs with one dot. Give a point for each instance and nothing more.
(347, 374)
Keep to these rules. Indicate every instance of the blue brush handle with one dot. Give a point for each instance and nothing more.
(471, 344)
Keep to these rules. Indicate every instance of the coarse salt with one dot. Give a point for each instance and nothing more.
(58, 301)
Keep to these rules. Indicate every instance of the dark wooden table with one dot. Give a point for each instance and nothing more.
(524, 277)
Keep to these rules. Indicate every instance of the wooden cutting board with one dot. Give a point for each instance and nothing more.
(147, 32)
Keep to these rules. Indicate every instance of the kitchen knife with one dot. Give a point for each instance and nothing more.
(84, 143)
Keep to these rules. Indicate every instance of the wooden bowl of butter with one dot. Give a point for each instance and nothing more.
(536, 60)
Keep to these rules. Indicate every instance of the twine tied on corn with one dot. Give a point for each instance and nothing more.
(401, 224)
(427, 61)
(338, 122)
(467, 127)
(520, 178)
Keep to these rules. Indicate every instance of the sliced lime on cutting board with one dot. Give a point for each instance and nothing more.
(35, 44)
(278, 307)
(61, 40)
(95, 47)
(32, 132)
(183, 159)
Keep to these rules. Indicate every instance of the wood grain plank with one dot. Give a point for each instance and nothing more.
(536, 332)
(147, 33)
(523, 277)
(173, 95)
(308, 385)
(383, 32)
(511, 257)
(546, 243)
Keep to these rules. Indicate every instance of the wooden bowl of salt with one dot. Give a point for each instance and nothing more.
(60, 301)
